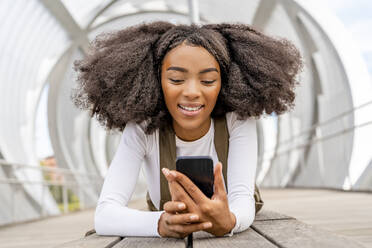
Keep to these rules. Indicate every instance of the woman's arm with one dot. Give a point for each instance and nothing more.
(112, 216)
(241, 170)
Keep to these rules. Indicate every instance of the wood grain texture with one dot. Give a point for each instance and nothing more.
(92, 241)
(248, 238)
(346, 213)
(269, 230)
(146, 242)
(271, 215)
(294, 234)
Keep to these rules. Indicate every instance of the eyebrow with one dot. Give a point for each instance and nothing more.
(181, 69)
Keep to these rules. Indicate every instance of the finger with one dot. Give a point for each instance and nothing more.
(182, 219)
(166, 232)
(174, 206)
(219, 187)
(175, 197)
(196, 194)
(168, 175)
(189, 228)
(179, 194)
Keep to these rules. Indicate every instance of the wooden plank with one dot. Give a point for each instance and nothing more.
(92, 241)
(293, 234)
(271, 215)
(150, 242)
(248, 238)
(346, 213)
(47, 232)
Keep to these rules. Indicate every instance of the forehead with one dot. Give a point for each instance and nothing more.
(194, 58)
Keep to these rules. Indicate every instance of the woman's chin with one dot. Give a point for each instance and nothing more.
(191, 129)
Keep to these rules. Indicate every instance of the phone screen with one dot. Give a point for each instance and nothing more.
(200, 171)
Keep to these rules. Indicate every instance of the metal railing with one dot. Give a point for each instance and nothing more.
(305, 138)
(327, 122)
(66, 187)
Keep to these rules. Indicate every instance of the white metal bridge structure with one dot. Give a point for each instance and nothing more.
(323, 143)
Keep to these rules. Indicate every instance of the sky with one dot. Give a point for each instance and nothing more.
(356, 16)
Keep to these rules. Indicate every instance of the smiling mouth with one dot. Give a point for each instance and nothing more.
(191, 109)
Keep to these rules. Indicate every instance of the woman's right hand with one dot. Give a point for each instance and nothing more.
(177, 223)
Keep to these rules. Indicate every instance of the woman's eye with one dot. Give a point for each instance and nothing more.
(175, 80)
(209, 82)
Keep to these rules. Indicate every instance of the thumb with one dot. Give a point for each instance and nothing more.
(219, 187)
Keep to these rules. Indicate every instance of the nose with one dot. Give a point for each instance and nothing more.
(192, 89)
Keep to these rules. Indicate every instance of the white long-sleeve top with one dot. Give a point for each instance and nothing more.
(113, 217)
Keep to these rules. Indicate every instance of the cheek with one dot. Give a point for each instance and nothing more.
(165, 90)
(170, 95)
(214, 93)
(213, 96)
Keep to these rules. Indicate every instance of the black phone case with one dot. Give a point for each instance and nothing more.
(200, 170)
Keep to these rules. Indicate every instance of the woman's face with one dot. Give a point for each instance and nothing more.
(191, 82)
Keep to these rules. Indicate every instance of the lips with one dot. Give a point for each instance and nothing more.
(190, 109)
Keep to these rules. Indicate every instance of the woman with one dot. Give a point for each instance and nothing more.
(147, 77)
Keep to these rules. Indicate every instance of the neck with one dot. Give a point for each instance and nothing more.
(191, 135)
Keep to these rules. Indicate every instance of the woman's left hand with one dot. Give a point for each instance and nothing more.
(216, 210)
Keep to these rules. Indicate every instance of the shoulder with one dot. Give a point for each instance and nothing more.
(236, 124)
(134, 135)
(133, 130)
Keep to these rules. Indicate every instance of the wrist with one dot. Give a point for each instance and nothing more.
(160, 225)
(226, 229)
(233, 218)
(231, 224)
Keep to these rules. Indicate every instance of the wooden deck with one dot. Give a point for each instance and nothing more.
(269, 230)
(348, 214)
(344, 213)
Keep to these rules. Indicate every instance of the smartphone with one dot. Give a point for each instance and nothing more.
(200, 171)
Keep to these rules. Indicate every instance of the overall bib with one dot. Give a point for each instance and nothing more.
(167, 153)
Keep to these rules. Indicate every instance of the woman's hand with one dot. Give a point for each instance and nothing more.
(215, 210)
(172, 224)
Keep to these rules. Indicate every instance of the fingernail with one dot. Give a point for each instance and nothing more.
(165, 171)
(194, 217)
(207, 225)
(181, 206)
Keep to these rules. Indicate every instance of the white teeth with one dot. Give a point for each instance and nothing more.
(190, 108)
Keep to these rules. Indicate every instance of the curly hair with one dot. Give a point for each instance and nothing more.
(119, 80)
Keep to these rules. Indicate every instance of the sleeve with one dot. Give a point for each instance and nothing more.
(112, 216)
(241, 171)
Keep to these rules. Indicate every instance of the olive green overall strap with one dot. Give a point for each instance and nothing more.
(221, 143)
(167, 153)
(167, 159)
